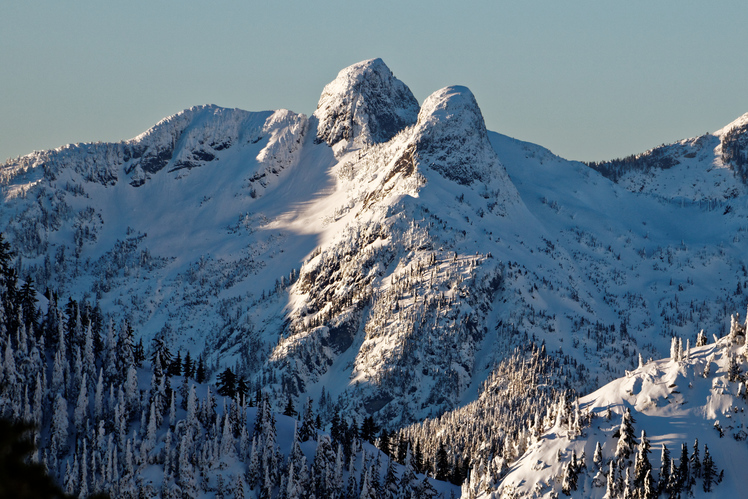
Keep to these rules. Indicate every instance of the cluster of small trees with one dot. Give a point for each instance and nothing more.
(526, 394)
(639, 479)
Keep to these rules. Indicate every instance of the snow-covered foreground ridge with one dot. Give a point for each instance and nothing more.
(381, 256)
(646, 434)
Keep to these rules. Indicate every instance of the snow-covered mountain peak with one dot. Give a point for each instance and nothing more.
(364, 105)
(738, 123)
(451, 137)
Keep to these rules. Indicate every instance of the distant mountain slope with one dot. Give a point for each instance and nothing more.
(706, 169)
(379, 256)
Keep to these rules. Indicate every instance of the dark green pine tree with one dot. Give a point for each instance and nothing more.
(226, 383)
(175, 367)
(337, 433)
(73, 325)
(31, 314)
(685, 480)
(402, 449)
(242, 389)
(418, 464)
(443, 467)
(188, 368)
(569, 481)
(125, 349)
(160, 348)
(5, 256)
(138, 353)
(200, 374)
(695, 462)
(289, 409)
(369, 429)
(709, 470)
(384, 441)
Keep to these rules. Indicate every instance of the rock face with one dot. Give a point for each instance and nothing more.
(364, 105)
(452, 137)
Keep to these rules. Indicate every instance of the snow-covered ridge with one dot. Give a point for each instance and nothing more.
(738, 123)
(191, 138)
(705, 169)
(697, 398)
(364, 105)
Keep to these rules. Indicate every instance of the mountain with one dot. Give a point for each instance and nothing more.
(383, 257)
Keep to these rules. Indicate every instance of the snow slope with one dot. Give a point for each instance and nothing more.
(673, 401)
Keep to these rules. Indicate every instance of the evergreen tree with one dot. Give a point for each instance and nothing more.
(308, 430)
(289, 410)
(125, 349)
(369, 429)
(175, 367)
(733, 368)
(242, 390)
(60, 426)
(664, 481)
(642, 467)
(226, 383)
(569, 480)
(384, 441)
(443, 468)
(390, 481)
(188, 367)
(626, 439)
(139, 353)
(597, 457)
(695, 462)
(201, 375)
(685, 480)
(161, 354)
(709, 470)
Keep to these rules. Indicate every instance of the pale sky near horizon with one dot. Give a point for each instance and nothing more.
(589, 80)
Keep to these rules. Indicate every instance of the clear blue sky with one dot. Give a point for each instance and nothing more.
(589, 80)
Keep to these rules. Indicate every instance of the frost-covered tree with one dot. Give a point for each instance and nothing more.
(664, 480)
(626, 440)
(81, 407)
(597, 457)
(642, 466)
(59, 431)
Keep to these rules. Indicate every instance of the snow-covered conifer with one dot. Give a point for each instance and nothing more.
(642, 465)
(701, 339)
(227, 438)
(59, 429)
(307, 430)
(254, 467)
(626, 436)
(99, 396)
(694, 463)
(597, 457)
(37, 406)
(173, 410)
(132, 394)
